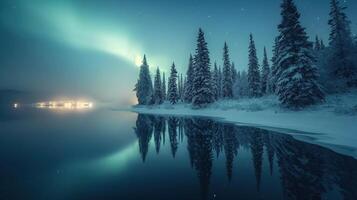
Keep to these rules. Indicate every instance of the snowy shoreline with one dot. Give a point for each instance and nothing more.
(323, 125)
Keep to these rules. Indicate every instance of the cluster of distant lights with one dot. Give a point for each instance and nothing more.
(61, 105)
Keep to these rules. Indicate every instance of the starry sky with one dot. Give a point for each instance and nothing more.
(92, 48)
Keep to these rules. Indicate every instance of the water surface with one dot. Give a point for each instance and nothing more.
(105, 154)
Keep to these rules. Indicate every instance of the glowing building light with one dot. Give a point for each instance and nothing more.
(16, 105)
(65, 105)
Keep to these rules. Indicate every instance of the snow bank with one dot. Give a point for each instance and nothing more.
(332, 124)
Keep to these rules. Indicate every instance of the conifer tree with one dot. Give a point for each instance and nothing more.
(157, 88)
(143, 87)
(297, 85)
(184, 89)
(163, 87)
(340, 60)
(188, 94)
(234, 73)
(215, 82)
(273, 77)
(265, 74)
(202, 86)
(181, 88)
(220, 82)
(253, 70)
(227, 81)
(172, 93)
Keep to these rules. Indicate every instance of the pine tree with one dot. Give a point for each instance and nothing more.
(265, 74)
(234, 73)
(227, 81)
(203, 94)
(163, 87)
(220, 82)
(273, 77)
(184, 89)
(340, 60)
(172, 93)
(215, 82)
(297, 85)
(181, 88)
(317, 46)
(188, 94)
(144, 88)
(157, 88)
(253, 70)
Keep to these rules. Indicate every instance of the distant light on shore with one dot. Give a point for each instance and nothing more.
(65, 105)
(16, 105)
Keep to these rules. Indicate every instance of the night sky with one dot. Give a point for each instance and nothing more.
(91, 48)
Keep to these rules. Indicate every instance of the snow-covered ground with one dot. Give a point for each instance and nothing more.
(332, 124)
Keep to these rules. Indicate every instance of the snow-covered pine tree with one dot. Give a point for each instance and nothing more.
(203, 94)
(184, 89)
(317, 45)
(157, 88)
(181, 88)
(340, 59)
(227, 81)
(215, 81)
(234, 73)
(143, 87)
(220, 82)
(179, 85)
(273, 77)
(297, 85)
(188, 94)
(253, 70)
(163, 87)
(265, 74)
(172, 92)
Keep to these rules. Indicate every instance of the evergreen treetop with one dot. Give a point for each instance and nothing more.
(253, 70)
(202, 87)
(172, 93)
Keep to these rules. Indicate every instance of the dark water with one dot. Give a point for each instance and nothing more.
(105, 154)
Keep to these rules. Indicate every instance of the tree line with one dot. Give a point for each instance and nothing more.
(301, 72)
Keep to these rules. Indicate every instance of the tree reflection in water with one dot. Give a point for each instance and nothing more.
(306, 171)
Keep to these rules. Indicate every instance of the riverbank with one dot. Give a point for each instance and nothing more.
(332, 124)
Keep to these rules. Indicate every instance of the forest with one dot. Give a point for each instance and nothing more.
(300, 73)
